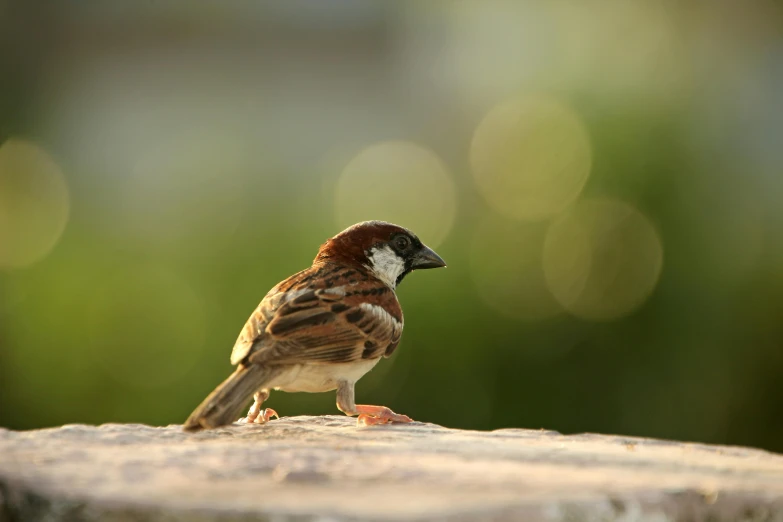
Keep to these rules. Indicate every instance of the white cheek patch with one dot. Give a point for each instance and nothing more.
(386, 265)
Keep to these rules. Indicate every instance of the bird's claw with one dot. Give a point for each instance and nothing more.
(267, 415)
(262, 417)
(372, 415)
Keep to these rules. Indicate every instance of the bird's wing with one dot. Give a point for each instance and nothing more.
(347, 316)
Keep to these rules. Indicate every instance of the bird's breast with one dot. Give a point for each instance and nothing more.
(316, 378)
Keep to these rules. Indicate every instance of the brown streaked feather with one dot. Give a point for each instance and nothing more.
(287, 324)
(390, 349)
(321, 315)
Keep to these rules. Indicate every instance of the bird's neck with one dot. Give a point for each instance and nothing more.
(386, 265)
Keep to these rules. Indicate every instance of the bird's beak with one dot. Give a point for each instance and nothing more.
(427, 258)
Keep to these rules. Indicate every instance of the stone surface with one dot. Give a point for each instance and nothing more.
(325, 468)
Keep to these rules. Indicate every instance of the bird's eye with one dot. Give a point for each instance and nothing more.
(402, 242)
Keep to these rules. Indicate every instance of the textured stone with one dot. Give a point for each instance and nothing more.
(325, 468)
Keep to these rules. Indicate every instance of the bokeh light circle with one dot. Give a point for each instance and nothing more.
(147, 329)
(530, 157)
(34, 204)
(505, 262)
(602, 259)
(400, 182)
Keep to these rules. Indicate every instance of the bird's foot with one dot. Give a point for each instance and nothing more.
(261, 417)
(255, 414)
(372, 415)
(266, 416)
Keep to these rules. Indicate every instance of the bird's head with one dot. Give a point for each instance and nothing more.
(391, 252)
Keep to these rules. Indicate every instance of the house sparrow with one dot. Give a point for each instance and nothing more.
(323, 328)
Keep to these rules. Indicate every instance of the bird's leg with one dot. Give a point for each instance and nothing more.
(256, 414)
(368, 415)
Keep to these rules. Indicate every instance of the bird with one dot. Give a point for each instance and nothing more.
(323, 328)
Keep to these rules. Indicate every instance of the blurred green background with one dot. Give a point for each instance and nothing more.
(604, 179)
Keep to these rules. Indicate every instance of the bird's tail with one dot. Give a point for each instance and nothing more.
(225, 404)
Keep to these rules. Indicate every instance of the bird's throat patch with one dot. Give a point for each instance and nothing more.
(386, 265)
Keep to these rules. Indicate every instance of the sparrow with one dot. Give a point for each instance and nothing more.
(323, 328)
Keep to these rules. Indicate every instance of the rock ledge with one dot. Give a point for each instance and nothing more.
(325, 468)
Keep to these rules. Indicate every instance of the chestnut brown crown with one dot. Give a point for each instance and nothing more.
(360, 244)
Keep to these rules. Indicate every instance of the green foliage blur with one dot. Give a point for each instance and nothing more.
(604, 181)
